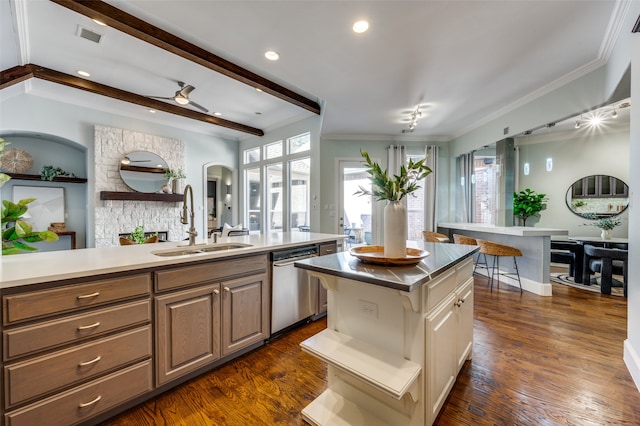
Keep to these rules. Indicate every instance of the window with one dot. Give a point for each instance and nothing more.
(415, 207)
(273, 150)
(300, 172)
(282, 179)
(252, 155)
(252, 199)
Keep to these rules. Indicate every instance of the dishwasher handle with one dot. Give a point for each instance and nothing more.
(291, 261)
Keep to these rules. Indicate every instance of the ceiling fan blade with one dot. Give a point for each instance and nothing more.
(160, 97)
(186, 90)
(200, 107)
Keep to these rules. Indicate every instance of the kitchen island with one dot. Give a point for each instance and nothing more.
(396, 336)
(89, 333)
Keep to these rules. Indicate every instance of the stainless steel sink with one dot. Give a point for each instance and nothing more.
(225, 246)
(183, 251)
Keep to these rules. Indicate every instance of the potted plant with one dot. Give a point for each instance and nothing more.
(16, 233)
(393, 189)
(138, 236)
(527, 203)
(606, 225)
(174, 175)
(50, 172)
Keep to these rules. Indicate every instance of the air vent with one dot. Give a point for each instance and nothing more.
(89, 35)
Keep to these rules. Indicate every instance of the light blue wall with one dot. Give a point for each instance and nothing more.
(575, 156)
(71, 158)
(27, 113)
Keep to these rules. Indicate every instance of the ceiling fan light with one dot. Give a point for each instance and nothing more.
(181, 100)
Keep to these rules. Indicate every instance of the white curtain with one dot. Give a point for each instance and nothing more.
(396, 159)
(465, 198)
(431, 187)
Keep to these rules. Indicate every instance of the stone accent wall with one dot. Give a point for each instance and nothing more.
(114, 217)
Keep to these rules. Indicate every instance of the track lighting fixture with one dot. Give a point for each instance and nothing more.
(413, 122)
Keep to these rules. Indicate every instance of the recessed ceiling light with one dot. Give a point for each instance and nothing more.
(83, 73)
(218, 114)
(99, 22)
(152, 111)
(258, 89)
(272, 55)
(360, 27)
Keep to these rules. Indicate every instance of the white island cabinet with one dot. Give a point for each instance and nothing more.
(396, 336)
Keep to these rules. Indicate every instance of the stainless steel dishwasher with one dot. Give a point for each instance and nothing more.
(293, 294)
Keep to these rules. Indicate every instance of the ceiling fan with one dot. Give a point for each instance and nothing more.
(182, 96)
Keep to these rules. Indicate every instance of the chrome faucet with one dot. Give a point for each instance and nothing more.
(192, 230)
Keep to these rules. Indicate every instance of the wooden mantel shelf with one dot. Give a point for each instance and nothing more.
(140, 196)
(20, 176)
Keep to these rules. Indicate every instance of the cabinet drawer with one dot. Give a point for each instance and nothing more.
(464, 271)
(439, 288)
(214, 271)
(36, 304)
(38, 376)
(35, 338)
(328, 248)
(82, 403)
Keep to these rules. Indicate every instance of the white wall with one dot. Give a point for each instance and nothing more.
(632, 344)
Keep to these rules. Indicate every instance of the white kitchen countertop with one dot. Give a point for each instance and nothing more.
(519, 231)
(38, 267)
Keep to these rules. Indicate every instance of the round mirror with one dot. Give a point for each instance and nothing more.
(143, 171)
(598, 196)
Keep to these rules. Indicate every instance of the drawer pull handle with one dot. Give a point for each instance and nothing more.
(93, 361)
(226, 289)
(86, 404)
(89, 296)
(216, 291)
(87, 327)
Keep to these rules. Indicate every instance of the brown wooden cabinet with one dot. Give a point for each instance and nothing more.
(68, 350)
(187, 331)
(209, 311)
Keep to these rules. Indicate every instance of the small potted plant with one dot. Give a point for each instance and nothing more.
(174, 176)
(606, 225)
(527, 203)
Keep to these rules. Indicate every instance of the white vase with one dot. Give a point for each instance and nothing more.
(395, 230)
(176, 186)
(605, 234)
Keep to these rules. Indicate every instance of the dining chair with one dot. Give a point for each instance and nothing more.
(606, 262)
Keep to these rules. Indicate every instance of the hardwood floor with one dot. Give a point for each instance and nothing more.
(536, 361)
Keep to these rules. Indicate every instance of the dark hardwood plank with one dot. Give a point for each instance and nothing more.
(536, 361)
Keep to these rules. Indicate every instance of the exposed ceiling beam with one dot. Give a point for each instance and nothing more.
(17, 74)
(145, 31)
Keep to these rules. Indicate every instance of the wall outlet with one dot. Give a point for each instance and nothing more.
(368, 308)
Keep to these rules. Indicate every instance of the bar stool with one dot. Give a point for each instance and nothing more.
(468, 241)
(435, 237)
(497, 251)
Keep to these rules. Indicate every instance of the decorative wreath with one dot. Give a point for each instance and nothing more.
(16, 160)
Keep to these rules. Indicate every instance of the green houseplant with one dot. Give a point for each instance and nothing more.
(50, 172)
(393, 189)
(138, 237)
(17, 233)
(528, 203)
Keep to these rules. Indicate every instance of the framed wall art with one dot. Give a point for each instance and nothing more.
(46, 209)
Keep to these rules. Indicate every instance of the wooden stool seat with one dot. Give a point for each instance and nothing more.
(497, 251)
(435, 237)
(469, 241)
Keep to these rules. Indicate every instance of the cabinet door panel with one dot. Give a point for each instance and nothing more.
(188, 330)
(465, 322)
(441, 345)
(245, 312)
